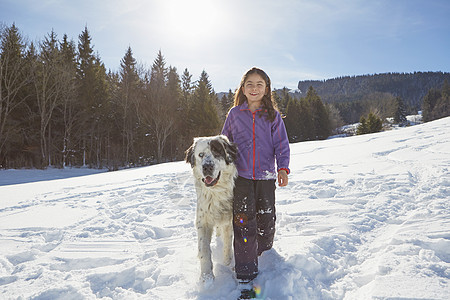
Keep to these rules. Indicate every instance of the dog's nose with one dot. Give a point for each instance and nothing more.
(208, 168)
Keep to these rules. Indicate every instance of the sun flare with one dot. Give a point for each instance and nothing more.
(192, 21)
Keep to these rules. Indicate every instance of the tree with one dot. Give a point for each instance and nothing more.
(92, 92)
(372, 124)
(292, 120)
(399, 111)
(186, 85)
(335, 117)
(49, 80)
(203, 116)
(362, 127)
(14, 77)
(283, 99)
(68, 108)
(159, 113)
(86, 89)
(429, 103)
(226, 103)
(305, 121)
(128, 101)
(436, 103)
(175, 100)
(59, 106)
(321, 123)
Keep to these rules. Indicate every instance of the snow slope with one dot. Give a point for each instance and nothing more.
(364, 217)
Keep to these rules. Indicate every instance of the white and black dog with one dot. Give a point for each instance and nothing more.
(212, 161)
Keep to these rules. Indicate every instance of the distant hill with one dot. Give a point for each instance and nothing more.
(411, 87)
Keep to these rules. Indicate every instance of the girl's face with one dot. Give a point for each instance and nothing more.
(254, 89)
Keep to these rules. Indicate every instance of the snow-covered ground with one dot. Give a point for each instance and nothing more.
(363, 217)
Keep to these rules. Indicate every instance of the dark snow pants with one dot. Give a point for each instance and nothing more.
(253, 223)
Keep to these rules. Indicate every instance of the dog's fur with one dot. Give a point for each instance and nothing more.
(212, 161)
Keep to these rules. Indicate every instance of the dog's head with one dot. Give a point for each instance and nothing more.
(209, 156)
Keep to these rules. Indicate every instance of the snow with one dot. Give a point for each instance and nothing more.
(363, 217)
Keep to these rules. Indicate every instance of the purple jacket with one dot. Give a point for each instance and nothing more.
(259, 142)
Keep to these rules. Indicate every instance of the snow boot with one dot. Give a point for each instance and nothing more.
(246, 288)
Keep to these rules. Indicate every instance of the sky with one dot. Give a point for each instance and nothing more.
(291, 40)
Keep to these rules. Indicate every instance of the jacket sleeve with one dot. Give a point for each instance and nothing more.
(226, 130)
(281, 144)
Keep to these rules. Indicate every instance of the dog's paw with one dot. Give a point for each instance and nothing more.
(207, 280)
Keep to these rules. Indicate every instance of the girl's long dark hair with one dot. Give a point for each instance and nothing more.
(268, 103)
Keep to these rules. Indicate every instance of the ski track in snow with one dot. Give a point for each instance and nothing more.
(364, 217)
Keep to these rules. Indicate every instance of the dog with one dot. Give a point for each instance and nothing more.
(212, 161)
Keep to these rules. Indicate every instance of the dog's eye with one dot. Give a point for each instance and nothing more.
(201, 154)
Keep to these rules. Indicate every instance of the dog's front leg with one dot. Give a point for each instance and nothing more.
(204, 251)
(227, 236)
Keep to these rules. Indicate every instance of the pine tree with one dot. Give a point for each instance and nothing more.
(362, 127)
(399, 111)
(442, 106)
(283, 100)
(292, 120)
(85, 66)
(175, 101)
(93, 95)
(226, 103)
(187, 88)
(85, 89)
(321, 122)
(114, 123)
(160, 111)
(374, 123)
(436, 104)
(305, 121)
(203, 116)
(68, 109)
(429, 103)
(129, 103)
(186, 85)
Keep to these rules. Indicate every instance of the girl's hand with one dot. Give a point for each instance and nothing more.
(282, 178)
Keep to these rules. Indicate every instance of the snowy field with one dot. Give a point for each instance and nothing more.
(363, 217)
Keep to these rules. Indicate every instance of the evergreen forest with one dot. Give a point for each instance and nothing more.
(60, 106)
(355, 96)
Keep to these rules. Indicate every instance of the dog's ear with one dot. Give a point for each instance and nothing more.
(190, 158)
(230, 150)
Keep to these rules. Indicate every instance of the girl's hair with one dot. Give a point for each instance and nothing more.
(268, 102)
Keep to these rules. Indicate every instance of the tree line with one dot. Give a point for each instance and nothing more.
(59, 106)
(355, 96)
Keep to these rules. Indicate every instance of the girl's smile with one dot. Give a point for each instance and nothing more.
(254, 89)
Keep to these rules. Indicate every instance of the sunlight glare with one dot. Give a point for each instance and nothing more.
(192, 21)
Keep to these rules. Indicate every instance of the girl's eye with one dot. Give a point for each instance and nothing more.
(201, 154)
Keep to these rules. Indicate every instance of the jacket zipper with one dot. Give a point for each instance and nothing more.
(254, 146)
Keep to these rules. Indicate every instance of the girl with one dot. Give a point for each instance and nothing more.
(256, 127)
